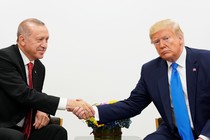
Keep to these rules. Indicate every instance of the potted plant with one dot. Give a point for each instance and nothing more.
(108, 131)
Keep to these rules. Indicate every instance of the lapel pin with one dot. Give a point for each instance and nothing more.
(194, 69)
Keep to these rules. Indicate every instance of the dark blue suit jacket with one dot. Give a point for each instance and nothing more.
(153, 87)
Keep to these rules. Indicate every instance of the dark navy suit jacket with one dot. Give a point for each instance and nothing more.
(153, 87)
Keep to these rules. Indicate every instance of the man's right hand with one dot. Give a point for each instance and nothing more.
(80, 108)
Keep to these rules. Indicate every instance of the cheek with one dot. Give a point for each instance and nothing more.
(33, 49)
(158, 50)
(175, 47)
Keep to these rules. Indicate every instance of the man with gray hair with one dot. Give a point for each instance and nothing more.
(24, 109)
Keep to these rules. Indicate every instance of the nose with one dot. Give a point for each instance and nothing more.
(44, 44)
(162, 43)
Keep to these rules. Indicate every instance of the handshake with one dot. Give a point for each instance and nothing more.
(80, 108)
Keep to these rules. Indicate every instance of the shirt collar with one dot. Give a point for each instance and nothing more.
(181, 60)
(24, 57)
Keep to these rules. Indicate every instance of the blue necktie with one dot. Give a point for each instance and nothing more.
(180, 108)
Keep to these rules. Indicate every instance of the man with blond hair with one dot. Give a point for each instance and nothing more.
(190, 68)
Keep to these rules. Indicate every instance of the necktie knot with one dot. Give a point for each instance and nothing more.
(30, 66)
(30, 69)
(174, 65)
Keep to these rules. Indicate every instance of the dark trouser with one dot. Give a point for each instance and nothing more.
(49, 132)
(10, 134)
(163, 133)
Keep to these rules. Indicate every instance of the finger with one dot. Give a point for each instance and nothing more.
(87, 114)
(89, 110)
(76, 109)
(36, 124)
(40, 122)
(83, 116)
(80, 113)
(44, 120)
(92, 111)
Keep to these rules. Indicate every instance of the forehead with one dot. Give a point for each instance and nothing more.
(162, 33)
(39, 30)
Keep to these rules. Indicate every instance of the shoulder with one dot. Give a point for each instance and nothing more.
(197, 51)
(200, 57)
(10, 54)
(199, 54)
(153, 67)
(12, 48)
(155, 63)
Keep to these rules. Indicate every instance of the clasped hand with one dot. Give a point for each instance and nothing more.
(84, 110)
(41, 119)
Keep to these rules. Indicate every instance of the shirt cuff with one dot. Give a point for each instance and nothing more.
(96, 113)
(62, 104)
(204, 137)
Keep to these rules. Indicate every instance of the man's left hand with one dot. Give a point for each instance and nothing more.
(41, 120)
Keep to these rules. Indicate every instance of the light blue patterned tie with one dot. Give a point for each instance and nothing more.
(180, 108)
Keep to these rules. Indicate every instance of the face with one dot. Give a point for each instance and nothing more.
(168, 45)
(35, 44)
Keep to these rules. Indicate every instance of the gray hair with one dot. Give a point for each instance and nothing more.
(23, 28)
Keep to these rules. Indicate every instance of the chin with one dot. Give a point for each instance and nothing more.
(167, 57)
(40, 57)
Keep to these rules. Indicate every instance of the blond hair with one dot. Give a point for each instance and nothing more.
(165, 24)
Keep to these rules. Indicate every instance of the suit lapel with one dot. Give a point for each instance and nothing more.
(163, 88)
(191, 78)
(16, 56)
(35, 75)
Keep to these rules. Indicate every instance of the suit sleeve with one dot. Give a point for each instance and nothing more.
(130, 107)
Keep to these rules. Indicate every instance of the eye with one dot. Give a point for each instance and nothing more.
(166, 38)
(155, 42)
(39, 39)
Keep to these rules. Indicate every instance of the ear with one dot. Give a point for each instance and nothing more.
(181, 39)
(21, 40)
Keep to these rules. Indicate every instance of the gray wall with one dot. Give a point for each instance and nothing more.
(97, 47)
